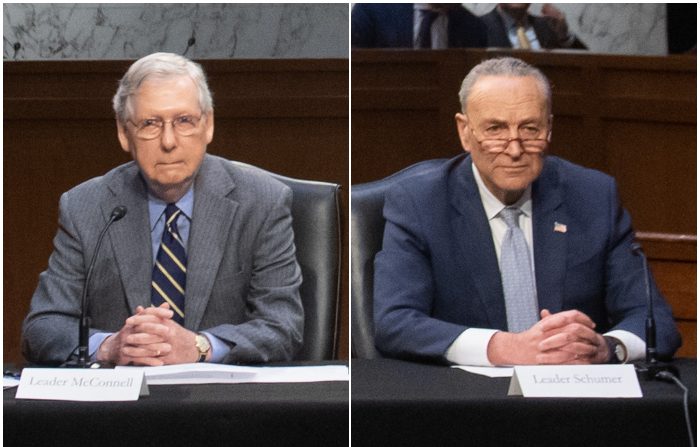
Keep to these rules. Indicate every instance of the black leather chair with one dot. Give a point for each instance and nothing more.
(317, 226)
(367, 227)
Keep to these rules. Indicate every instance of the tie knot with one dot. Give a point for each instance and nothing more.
(170, 211)
(510, 216)
(171, 214)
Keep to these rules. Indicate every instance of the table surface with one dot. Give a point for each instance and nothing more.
(397, 402)
(393, 402)
(210, 415)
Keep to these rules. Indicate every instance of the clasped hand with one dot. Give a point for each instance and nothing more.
(557, 21)
(150, 337)
(567, 337)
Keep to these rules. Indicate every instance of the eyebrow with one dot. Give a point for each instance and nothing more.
(521, 123)
(160, 117)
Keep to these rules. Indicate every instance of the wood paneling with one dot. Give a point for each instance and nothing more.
(286, 116)
(673, 262)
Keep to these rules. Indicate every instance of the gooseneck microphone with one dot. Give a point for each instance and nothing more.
(84, 324)
(651, 367)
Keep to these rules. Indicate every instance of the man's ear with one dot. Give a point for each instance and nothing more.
(123, 137)
(210, 127)
(462, 123)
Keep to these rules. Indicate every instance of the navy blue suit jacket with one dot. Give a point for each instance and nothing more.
(437, 273)
(390, 25)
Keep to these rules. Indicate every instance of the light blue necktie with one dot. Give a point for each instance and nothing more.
(170, 271)
(516, 275)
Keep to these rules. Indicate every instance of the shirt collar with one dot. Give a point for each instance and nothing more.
(419, 7)
(508, 20)
(493, 206)
(156, 207)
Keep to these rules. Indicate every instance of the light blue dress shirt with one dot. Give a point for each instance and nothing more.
(512, 29)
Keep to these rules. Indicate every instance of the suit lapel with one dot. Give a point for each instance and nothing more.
(544, 34)
(550, 221)
(473, 234)
(498, 32)
(404, 28)
(130, 237)
(212, 218)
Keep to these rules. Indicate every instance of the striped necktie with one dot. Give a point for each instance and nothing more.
(516, 275)
(170, 270)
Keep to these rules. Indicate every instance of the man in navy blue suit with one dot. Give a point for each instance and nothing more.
(459, 281)
(416, 25)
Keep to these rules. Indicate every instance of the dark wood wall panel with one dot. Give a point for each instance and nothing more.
(287, 116)
(653, 174)
(673, 261)
(631, 117)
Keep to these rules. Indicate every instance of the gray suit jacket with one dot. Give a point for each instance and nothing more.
(242, 280)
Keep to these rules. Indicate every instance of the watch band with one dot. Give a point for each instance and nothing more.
(203, 346)
(617, 351)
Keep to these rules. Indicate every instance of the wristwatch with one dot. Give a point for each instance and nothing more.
(617, 350)
(201, 342)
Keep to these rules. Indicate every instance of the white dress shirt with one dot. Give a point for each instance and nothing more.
(438, 29)
(470, 347)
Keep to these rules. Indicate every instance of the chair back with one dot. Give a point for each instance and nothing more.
(367, 227)
(317, 236)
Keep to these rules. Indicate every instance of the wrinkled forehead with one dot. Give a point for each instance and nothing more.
(164, 91)
(507, 92)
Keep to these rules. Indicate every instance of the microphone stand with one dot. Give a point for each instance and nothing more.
(651, 368)
(84, 322)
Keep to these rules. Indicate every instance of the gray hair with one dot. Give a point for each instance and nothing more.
(503, 66)
(161, 65)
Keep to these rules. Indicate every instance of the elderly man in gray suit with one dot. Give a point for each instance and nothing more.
(201, 268)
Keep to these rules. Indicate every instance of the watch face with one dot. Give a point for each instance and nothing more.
(619, 352)
(202, 343)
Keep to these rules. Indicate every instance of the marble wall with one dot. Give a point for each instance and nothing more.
(619, 28)
(131, 30)
(128, 31)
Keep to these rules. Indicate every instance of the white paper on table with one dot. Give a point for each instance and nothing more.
(9, 382)
(489, 371)
(200, 373)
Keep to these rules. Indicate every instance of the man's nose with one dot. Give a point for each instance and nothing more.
(514, 148)
(168, 139)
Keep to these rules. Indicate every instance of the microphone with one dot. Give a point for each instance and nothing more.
(651, 368)
(84, 324)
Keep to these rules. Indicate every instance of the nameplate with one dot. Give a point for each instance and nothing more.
(89, 385)
(575, 381)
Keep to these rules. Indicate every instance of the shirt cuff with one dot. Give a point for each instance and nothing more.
(636, 347)
(470, 348)
(219, 348)
(94, 343)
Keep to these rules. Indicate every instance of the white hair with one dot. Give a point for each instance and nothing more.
(162, 65)
(503, 66)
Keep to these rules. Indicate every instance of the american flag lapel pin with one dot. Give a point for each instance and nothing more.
(559, 227)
